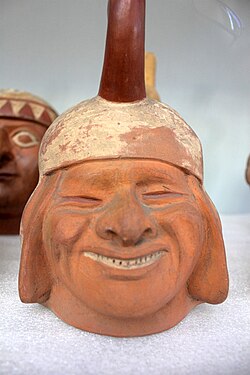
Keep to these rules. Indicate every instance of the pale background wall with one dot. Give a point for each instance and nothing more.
(54, 48)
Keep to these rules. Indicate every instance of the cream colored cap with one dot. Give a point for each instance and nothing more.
(100, 129)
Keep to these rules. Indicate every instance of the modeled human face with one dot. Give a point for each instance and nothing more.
(19, 145)
(123, 236)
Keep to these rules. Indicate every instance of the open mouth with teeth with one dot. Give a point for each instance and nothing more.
(126, 264)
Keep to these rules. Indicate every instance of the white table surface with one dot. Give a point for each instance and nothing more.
(212, 339)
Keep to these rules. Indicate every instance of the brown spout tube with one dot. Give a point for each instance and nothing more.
(123, 69)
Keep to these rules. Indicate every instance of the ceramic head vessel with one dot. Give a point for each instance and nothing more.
(24, 118)
(119, 237)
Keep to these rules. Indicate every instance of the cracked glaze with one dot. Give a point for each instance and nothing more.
(98, 129)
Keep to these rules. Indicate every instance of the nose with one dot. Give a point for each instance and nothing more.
(126, 221)
(6, 153)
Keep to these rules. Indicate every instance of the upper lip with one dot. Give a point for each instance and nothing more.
(126, 254)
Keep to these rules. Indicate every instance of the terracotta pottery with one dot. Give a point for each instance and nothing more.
(150, 73)
(248, 171)
(120, 237)
(24, 119)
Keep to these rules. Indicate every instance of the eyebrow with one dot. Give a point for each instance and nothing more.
(154, 181)
(101, 180)
(158, 175)
(105, 179)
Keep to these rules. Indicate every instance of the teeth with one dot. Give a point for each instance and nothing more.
(125, 263)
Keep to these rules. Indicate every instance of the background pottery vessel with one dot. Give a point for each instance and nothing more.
(24, 118)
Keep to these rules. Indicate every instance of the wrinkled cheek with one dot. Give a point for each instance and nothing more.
(64, 235)
(185, 228)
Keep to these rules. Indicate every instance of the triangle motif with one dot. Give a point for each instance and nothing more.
(37, 110)
(17, 106)
(2, 103)
(26, 112)
(44, 118)
(6, 109)
(51, 114)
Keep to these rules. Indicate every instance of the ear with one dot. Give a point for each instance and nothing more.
(209, 280)
(34, 276)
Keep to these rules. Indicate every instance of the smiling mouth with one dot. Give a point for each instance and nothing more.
(126, 264)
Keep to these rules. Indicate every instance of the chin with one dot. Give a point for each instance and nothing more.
(125, 300)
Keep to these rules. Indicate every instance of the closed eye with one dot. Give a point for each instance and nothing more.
(160, 198)
(161, 194)
(83, 200)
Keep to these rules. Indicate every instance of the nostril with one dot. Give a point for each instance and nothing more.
(148, 231)
(110, 233)
(5, 157)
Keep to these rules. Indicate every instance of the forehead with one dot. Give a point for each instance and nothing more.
(112, 173)
(11, 124)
